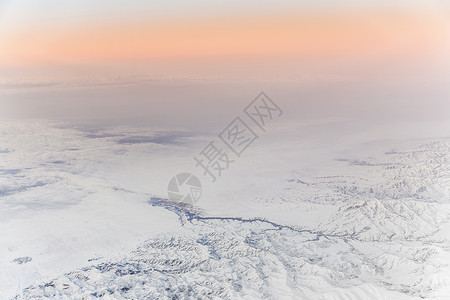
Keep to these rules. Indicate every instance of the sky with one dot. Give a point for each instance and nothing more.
(138, 59)
(73, 32)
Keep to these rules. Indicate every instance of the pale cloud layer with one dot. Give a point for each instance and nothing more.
(358, 60)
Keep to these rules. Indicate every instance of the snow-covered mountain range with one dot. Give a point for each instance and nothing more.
(84, 215)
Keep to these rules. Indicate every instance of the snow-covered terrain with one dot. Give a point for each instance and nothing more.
(83, 214)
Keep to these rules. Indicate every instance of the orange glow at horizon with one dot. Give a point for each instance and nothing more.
(325, 36)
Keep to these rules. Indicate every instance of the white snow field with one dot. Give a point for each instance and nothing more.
(319, 210)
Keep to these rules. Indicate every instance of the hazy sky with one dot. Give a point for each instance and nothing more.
(49, 32)
(134, 58)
